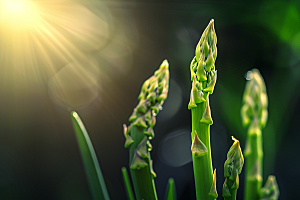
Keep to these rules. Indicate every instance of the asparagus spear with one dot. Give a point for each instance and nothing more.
(254, 116)
(232, 168)
(138, 135)
(270, 191)
(203, 77)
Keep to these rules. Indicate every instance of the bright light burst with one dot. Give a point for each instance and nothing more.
(18, 13)
(56, 40)
(38, 38)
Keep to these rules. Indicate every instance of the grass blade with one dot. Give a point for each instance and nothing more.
(127, 184)
(92, 168)
(171, 190)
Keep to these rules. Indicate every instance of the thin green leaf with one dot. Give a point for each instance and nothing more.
(171, 190)
(127, 184)
(92, 168)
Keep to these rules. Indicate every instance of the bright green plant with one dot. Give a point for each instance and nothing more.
(127, 184)
(232, 168)
(254, 116)
(171, 190)
(138, 135)
(91, 165)
(203, 77)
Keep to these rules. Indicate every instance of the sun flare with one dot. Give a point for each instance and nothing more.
(67, 45)
(18, 14)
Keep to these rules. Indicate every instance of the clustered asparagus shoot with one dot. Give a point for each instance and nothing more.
(138, 135)
(203, 77)
(254, 116)
(232, 168)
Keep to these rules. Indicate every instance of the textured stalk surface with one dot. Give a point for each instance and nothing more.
(232, 168)
(203, 77)
(138, 135)
(254, 115)
(92, 168)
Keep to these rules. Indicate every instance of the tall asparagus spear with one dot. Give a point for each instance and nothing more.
(232, 168)
(138, 135)
(203, 77)
(254, 116)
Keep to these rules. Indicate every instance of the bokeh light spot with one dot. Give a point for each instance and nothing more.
(76, 85)
(172, 104)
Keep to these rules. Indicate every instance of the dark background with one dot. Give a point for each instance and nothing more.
(39, 156)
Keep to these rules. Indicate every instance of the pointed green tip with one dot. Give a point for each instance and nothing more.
(128, 141)
(206, 117)
(74, 115)
(138, 162)
(198, 147)
(270, 191)
(77, 120)
(235, 153)
(225, 190)
(255, 100)
(213, 190)
(171, 190)
(164, 64)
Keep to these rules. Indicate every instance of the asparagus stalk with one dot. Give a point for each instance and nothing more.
(254, 116)
(232, 168)
(270, 191)
(203, 77)
(138, 135)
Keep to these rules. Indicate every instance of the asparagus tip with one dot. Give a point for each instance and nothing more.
(164, 64)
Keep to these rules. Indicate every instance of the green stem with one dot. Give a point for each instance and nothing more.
(253, 166)
(203, 77)
(233, 191)
(127, 184)
(138, 135)
(143, 181)
(254, 114)
(203, 172)
(232, 168)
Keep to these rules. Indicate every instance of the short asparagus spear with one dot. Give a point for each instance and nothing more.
(203, 77)
(138, 135)
(232, 168)
(254, 116)
(270, 191)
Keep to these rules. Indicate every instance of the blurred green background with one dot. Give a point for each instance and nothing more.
(93, 56)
